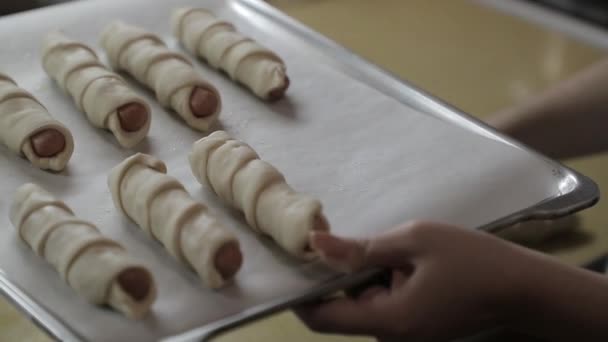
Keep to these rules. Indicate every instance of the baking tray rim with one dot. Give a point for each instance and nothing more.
(577, 191)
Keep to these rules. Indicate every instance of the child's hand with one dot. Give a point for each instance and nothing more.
(446, 282)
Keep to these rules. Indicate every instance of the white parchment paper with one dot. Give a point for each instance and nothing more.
(372, 161)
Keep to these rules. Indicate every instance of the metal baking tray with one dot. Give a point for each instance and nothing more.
(562, 191)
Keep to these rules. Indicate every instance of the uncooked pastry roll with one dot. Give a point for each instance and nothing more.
(27, 128)
(98, 268)
(236, 174)
(171, 75)
(103, 95)
(218, 42)
(161, 207)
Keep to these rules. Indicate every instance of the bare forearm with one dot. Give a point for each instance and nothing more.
(566, 121)
(560, 302)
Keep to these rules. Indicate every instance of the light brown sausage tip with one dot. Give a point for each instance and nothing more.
(203, 102)
(136, 282)
(48, 143)
(228, 259)
(132, 116)
(278, 92)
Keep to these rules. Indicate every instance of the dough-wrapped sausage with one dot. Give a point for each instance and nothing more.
(236, 174)
(218, 42)
(103, 95)
(161, 207)
(171, 75)
(98, 268)
(27, 128)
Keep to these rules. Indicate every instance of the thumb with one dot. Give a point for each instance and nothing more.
(348, 255)
(344, 255)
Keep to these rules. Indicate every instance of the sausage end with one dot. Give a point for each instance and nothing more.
(136, 282)
(228, 259)
(203, 102)
(48, 143)
(132, 116)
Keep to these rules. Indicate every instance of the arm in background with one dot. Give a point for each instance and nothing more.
(568, 120)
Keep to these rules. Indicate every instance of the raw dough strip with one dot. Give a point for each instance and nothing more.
(98, 268)
(171, 75)
(236, 174)
(160, 206)
(22, 119)
(218, 42)
(103, 95)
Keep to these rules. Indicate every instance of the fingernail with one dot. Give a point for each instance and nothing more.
(329, 245)
(333, 251)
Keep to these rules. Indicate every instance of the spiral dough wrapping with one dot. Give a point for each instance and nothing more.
(243, 59)
(22, 118)
(171, 75)
(100, 93)
(161, 207)
(236, 174)
(98, 268)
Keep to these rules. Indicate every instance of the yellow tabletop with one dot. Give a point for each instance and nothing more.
(473, 57)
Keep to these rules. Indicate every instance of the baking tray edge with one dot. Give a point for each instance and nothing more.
(577, 191)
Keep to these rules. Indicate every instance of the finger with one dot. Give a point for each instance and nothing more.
(344, 255)
(382, 279)
(391, 280)
(391, 249)
(371, 292)
(399, 277)
(320, 224)
(344, 316)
